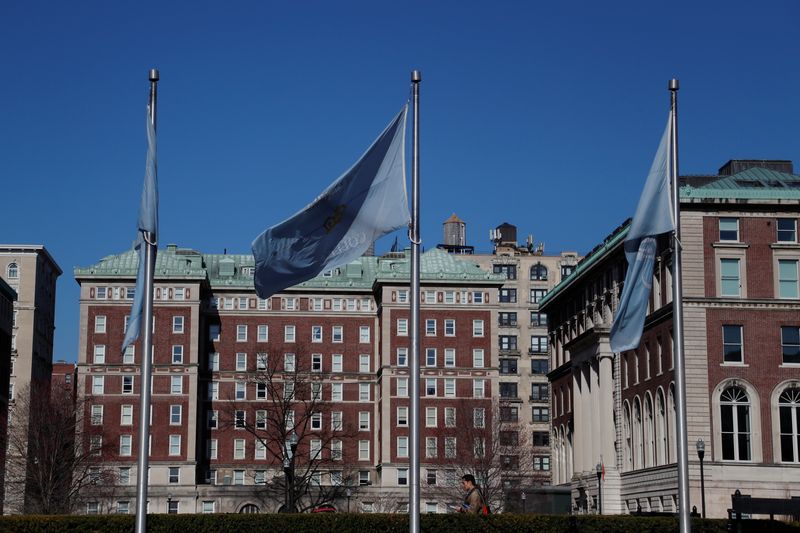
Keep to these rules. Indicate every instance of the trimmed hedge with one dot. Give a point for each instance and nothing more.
(374, 523)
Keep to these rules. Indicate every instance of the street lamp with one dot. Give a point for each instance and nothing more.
(348, 492)
(288, 470)
(599, 470)
(524, 497)
(701, 453)
(169, 503)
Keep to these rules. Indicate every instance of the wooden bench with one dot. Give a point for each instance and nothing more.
(746, 504)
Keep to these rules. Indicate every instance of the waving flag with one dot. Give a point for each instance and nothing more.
(653, 217)
(365, 203)
(147, 223)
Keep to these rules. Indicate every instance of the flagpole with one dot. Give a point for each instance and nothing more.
(677, 320)
(413, 500)
(147, 351)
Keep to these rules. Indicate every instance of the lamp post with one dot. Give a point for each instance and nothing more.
(348, 492)
(701, 453)
(288, 470)
(524, 497)
(169, 503)
(599, 470)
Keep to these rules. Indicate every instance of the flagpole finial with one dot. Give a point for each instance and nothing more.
(153, 74)
(416, 76)
(674, 84)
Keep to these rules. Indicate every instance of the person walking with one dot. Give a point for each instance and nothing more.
(473, 499)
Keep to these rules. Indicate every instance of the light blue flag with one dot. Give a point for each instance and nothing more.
(653, 217)
(148, 222)
(366, 202)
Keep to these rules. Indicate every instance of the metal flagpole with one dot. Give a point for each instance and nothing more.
(677, 320)
(147, 352)
(413, 501)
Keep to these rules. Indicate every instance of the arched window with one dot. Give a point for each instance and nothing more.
(671, 454)
(539, 272)
(250, 508)
(626, 435)
(789, 414)
(649, 430)
(735, 424)
(638, 452)
(12, 271)
(661, 429)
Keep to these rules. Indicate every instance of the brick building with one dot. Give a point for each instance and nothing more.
(250, 395)
(742, 350)
(7, 298)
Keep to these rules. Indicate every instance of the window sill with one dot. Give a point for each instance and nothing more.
(789, 365)
(734, 364)
(785, 246)
(730, 244)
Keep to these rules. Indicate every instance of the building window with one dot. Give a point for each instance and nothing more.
(508, 295)
(537, 295)
(508, 366)
(402, 357)
(177, 324)
(787, 278)
(402, 327)
(430, 387)
(541, 438)
(99, 354)
(539, 272)
(100, 324)
(402, 416)
(363, 420)
(541, 462)
(209, 507)
(213, 361)
(789, 416)
(261, 419)
(128, 354)
(402, 387)
(402, 296)
(176, 386)
(241, 333)
(732, 344)
(402, 446)
(477, 297)
(508, 342)
(477, 328)
(336, 420)
(212, 419)
(729, 229)
(449, 357)
(288, 333)
(730, 284)
(566, 270)
(509, 413)
(450, 447)
(540, 366)
(735, 424)
(336, 450)
(402, 477)
(507, 319)
(316, 362)
(449, 327)
(238, 477)
(479, 417)
(288, 362)
(336, 363)
(363, 334)
(790, 344)
(477, 358)
(364, 392)
(431, 415)
(336, 392)
(363, 363)
(538, 319)
(540, 392)
(787, 230)
(478, 388)
(510, 271)
(538, 344)
(430, 327)
(177, 354)
(97, 415)
(430, 357)
(261, 361)
(337, 334)
(508, 390)
(174, 445)
(263, 333)
(449, 417)
(540, 414)
(213, 390)
(125, 445)
(363, 450)
(127, 384)
(241, 362)
(12, 272)
(174, 474)
(431, 447)
(175, 412)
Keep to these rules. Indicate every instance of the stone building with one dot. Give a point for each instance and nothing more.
(616, 411)
(214, 445)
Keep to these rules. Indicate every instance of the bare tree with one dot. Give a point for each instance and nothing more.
(493, 446)
(298, 430)
(53, 460)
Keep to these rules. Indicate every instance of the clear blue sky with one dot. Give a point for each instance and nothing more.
(542, 114)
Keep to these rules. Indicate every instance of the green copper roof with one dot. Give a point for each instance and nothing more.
(170, 262)
(236, 270)
(753, 183)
